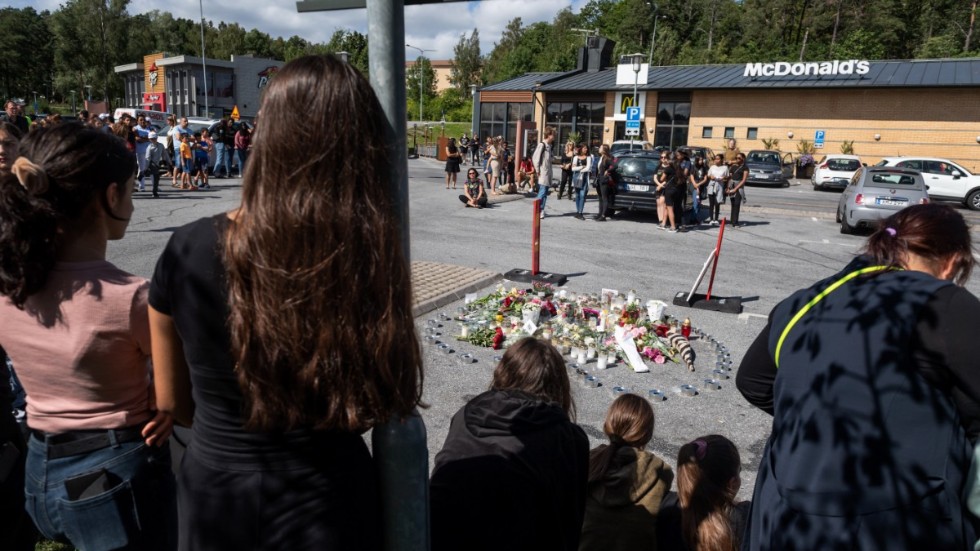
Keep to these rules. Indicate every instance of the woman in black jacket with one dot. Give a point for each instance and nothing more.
(871, 378)
(512, 473)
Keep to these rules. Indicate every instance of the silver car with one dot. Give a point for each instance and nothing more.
(876, 193)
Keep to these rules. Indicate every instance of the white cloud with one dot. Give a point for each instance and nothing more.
(432, 27)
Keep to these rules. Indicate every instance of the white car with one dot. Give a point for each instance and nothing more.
(834, 171)
(620, 146)
(946, 180)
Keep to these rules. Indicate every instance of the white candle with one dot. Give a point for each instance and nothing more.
(464, 330)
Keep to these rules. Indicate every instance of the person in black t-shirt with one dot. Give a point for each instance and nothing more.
(283, 363)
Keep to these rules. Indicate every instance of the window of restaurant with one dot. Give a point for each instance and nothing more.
(500, 119)
(673, 118)
(583, 117)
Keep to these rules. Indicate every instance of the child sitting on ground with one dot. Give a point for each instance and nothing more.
(626, 482)
(703, 515)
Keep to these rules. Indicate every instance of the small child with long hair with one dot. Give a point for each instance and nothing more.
(626, 482)
(703, 515)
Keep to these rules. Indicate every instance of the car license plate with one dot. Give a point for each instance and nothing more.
(763, 176)
(886, 202)
(637, 187)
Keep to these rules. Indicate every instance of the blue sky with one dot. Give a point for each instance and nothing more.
(433, 27)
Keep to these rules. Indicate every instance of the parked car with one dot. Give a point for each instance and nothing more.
(876, 193)
(695, 150)
(834, 171)
(634, 180)
(620, 146)
(947, 181)
(769, 167)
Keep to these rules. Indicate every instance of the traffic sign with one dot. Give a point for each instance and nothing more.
(818, 137)
(234, 114)
(632, 131)
(633, 114)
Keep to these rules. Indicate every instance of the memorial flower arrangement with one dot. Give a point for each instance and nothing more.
(584, 323)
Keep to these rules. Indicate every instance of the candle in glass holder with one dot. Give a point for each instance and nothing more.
(582, 358)
(601, 362)
(590, 353)
(464, 330)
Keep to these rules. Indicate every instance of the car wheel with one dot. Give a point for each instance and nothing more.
(845, 228)
(838, 216)
(973, 200)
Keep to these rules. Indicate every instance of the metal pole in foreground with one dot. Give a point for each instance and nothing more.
(399, 446)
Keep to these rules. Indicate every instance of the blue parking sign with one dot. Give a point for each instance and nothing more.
(818, 138)
(633, 114)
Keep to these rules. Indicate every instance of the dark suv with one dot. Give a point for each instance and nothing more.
(634, 180)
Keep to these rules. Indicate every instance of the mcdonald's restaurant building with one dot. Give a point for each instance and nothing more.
(883, 108)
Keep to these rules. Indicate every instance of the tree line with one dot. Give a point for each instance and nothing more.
(78, 45)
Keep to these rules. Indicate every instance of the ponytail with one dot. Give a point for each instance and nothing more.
(706, 468)
(28, 231)
(629, 422)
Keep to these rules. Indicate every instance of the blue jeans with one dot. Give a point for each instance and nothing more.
(696, 206)
(220, 153)
(543, 192)
(138, 512)
(242, 157)
(580, 198)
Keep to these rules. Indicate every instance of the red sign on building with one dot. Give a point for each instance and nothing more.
(155, 101)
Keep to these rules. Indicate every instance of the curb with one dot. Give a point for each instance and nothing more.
(423, 308)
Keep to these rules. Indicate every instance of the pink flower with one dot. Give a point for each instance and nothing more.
(658, 357)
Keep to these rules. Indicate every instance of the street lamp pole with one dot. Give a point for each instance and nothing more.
(204, 64)
(653, 40)
(418, 65)
(637, 60)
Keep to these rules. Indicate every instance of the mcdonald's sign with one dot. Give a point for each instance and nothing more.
(625, 100)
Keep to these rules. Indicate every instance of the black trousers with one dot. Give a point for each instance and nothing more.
(566, 179)
(155, 175)
(736, 206)
(482, 201)
(714, 207)
(607, 197)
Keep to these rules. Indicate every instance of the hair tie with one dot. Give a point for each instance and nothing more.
(702, 448)
(30, 175)
(891, 231)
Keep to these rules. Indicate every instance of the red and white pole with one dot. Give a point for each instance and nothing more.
(536, 237)
(714, 266)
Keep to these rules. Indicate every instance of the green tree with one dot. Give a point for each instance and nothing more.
(466, 62)
(352, 42)
(25, 36)
(86, 54)
(421, 76)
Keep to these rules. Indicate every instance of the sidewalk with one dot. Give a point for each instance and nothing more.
(436, 284)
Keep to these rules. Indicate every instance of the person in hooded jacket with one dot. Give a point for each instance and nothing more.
(512, 473)
(626, 482)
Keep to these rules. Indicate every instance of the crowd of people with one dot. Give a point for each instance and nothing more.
(246, 332)
(681, 183)
(185, 156)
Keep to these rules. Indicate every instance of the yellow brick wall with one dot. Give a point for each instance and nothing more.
(941, 122)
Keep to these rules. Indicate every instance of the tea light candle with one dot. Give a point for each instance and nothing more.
(464, 330)
(590, 353)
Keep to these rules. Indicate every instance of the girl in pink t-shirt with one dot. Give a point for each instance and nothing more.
(76, 329)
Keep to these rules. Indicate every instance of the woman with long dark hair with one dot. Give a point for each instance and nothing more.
(512, 472)
(739, 174)
(606, 183)
(280, 338)
(98, 463)
(565, 160)
(581, 170)
(626, 482)
(453, 160)
(870, 376)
